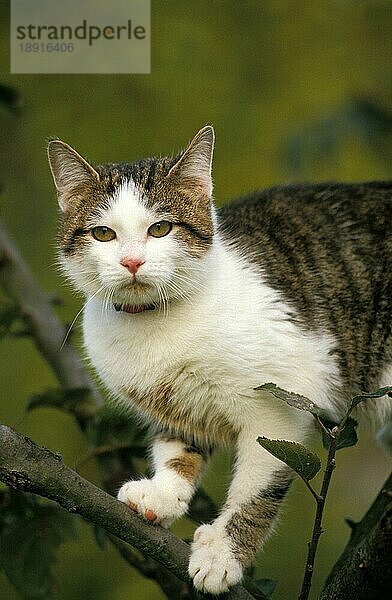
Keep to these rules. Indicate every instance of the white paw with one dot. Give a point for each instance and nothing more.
(212, 565)
(155, 502)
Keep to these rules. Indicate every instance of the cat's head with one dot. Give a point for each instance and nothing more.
(137, 235)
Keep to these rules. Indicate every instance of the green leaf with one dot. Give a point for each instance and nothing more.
(300, 459)
(368, 395)
(267, 586)
(293, 399)
(348, 435)
(69, 400)
(30, 534)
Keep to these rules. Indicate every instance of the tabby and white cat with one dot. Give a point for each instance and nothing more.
(190, 308)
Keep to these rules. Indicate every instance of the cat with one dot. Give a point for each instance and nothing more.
(190, 308)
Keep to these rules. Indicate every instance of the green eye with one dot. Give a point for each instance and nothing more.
(103, 234)
(160, 229)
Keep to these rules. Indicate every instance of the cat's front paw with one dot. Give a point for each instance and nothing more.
(212, 565)
(154, 501)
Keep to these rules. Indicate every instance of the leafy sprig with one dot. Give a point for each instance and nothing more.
(307, 464)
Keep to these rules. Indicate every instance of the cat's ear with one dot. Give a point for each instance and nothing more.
(70, 171)
(193, 168)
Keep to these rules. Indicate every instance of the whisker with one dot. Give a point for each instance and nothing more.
(165, 301)
(77, 316)
(109, 301)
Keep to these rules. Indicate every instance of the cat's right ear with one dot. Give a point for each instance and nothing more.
(193, 168)
(70, 171)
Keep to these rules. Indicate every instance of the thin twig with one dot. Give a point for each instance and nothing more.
(315, 495)
(317, 527)
(322, 426)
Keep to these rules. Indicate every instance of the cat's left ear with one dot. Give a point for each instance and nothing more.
(193, 168)
(71, 172)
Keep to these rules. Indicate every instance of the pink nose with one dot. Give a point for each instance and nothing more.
(132, 264)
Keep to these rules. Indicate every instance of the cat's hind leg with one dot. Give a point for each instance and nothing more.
(166, 496)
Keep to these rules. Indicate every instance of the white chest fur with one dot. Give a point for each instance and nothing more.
(234, 336)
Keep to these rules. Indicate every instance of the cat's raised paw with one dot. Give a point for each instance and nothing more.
(154, 502)
(212, 566)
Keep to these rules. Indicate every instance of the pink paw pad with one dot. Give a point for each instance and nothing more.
(150, 515)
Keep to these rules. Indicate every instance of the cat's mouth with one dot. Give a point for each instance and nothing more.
(133, 308)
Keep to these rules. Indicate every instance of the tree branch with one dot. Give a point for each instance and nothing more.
(26, 466)
(43, 325)
(363, 572)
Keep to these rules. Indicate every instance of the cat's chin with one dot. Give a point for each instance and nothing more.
(135, 287)
(135, 294)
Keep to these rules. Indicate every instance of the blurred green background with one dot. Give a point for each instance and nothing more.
(297, 90)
